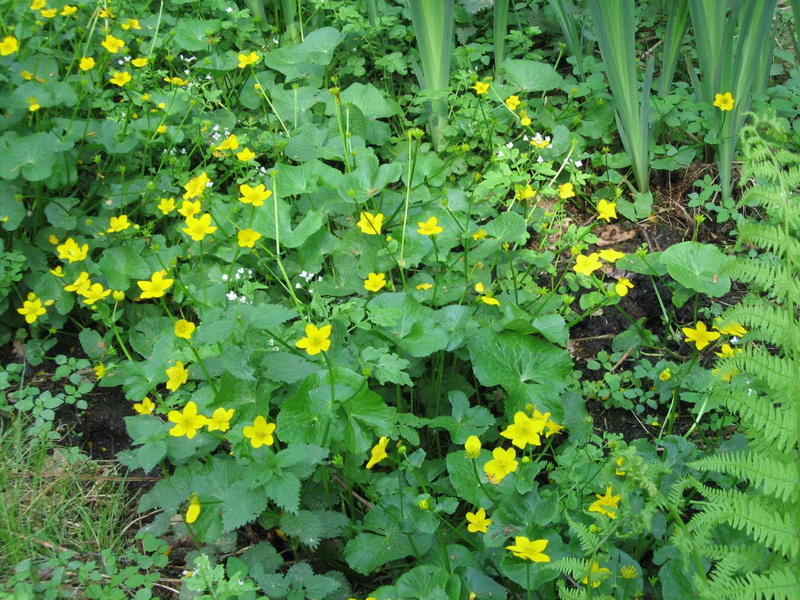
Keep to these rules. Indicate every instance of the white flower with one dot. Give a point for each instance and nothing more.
(231, 295)
(224, 277)
(579, 163)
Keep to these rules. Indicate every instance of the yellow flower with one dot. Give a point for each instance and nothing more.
(260, 432)
(161, 129)
(178, 375)
(196, 186)
(480, 88)
(374, 282)
(26, 75)
(140, 62)
(145, 407)
(525, 121)
(596, 574)
(620, 462)
(586, 265)
(106, 14)
(254, 195)
(9, 45)
(378, 452)
(529, 550)
(429, 227)
(479, 235)
(94, 293)
(198, 228)
(156, 287)
(112, 44)
(473, 446)
(701, 336)
(247, 238)
(71, 251)
(33, 104)
(525, 430)
(503, 462)
(566, 190)
(424, 504)
(553, 428)
(189, 208)
(725, 375)
(229, 143)
(728, 351)
(32, 308)
(131, 24)
(118, 295)
(184, 329)
(424, 286)
(68, 10)
(120, 78)
(724, 101)
(622, 286)
(187, 422)
(316, 340)
(731, 329)
(369, 223)
(606, 504)
(247, 59)
(194, 509)
(490, 300)
(665, 375)
(86, 63)
(525, 193)
(38, 4)
(478, 521)
(480, 288)
(606, 210)
(81, 284)
(167, 205)
(610, 255)
(176, 80)
(118, 224)
(245, 155)
(512, 102)
(58, 271)
(48, 13)
(220, 420)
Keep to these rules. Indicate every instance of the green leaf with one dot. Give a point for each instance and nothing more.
(122, 264)
(301, 459)
(424, 583)
(412, 326)
(31, 156)
(368, 551)
(92, 343)
(530, 75)
(698, 267)
(508, 227)
(462, 472)
(284, 490)
(12, 210)
(61, 212)
(647, 265)
(553, 327)
(466, 420)
(309, 527)
(385, 366)
(241, 505)
(531, 370)
(370, 101)
(193, 35)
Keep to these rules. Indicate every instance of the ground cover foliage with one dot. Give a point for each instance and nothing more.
(334, 254)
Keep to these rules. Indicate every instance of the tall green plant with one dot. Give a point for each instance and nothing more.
(677, 24)
(734, 55)
(500, 28)
(615, 24)
(567, 16)
(433, 27)
(751, 533)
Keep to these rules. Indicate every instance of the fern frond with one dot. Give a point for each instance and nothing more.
(764, 320)
(776, 371)
(764, 521)
(578, 568)
(768, 237)
(774, 474)
(780, 584)
(565, 593)
(774, 424)
(589, 541)
(764, 276)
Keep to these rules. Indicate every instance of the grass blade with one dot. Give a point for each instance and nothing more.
(677, 24)
(500, 30)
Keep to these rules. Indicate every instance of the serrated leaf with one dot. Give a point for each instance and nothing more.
(309, 527)
(508, 227)
(386, 366)
(121, 265)
(284, 490)
(531, 370)
(465, 420)
(368, 551)
(194, 35)
(241, 506)
(301, 459)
